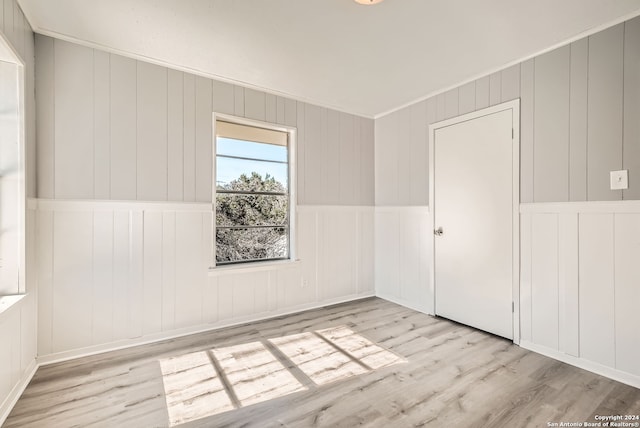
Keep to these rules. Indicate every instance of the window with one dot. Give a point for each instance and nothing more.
(12, 190)
(252, 193)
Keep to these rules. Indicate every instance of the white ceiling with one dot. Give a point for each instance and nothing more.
(365, 60)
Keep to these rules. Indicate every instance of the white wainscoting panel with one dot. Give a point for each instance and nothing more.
(568, 284)
(403, 245)
(580, 267)
(338, 271)
(597, 290)
(544, 280)
(103, 274)
(17, 353)
(627, 293)
(387, 253)
(113, 274)
(73, 277)
(525, 277)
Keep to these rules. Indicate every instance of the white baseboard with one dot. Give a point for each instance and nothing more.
(405, 303)
(129, 343)
(596, 368)
(16, 392)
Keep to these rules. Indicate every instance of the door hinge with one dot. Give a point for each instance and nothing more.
(513, 133)
(513, 307)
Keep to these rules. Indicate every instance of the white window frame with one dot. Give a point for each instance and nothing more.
(293, 207)
(10, 55)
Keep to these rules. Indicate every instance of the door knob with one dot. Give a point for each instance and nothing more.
(438, 231)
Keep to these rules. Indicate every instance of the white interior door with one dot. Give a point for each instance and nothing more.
(473, 206)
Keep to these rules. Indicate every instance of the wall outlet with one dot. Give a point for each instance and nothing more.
(304, 283)
(620, 179)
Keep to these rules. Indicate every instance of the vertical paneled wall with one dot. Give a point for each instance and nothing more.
(402, 228)
(577, 108)
(631, 107)
(113, 128)
(18, 351)
(18, 323)
(581, 282)
(551, 125)
(121, 273)
(402, 256)
(402, 140)
(605, 111)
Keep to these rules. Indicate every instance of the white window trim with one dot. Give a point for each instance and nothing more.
(7, 302)
(293, 198)
(9, 54)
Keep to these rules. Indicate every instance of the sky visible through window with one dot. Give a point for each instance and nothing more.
(229, 169)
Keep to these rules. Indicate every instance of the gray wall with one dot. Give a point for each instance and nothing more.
(580, 119)
(111, 127)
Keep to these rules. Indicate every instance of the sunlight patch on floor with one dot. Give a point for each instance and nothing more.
(363, 349)
(192, 388)
(320, 361)
(255, 374)
(218, 380)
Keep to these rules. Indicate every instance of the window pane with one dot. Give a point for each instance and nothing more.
(251, 210)
(246, 175)
(250, 149)
(234, 245)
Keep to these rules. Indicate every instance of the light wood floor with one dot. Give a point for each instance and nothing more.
(370, 363)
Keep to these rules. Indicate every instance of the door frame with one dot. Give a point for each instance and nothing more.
(514, 106)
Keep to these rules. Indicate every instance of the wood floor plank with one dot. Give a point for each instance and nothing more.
(366, 363)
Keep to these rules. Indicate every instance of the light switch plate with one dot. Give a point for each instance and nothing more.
(620, 179)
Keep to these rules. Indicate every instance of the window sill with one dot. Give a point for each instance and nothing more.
(6, 302)
(253, 267)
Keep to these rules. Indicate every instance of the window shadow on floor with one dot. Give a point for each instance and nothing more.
(221, 379)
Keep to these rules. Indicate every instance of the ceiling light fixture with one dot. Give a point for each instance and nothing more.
(368, 2)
